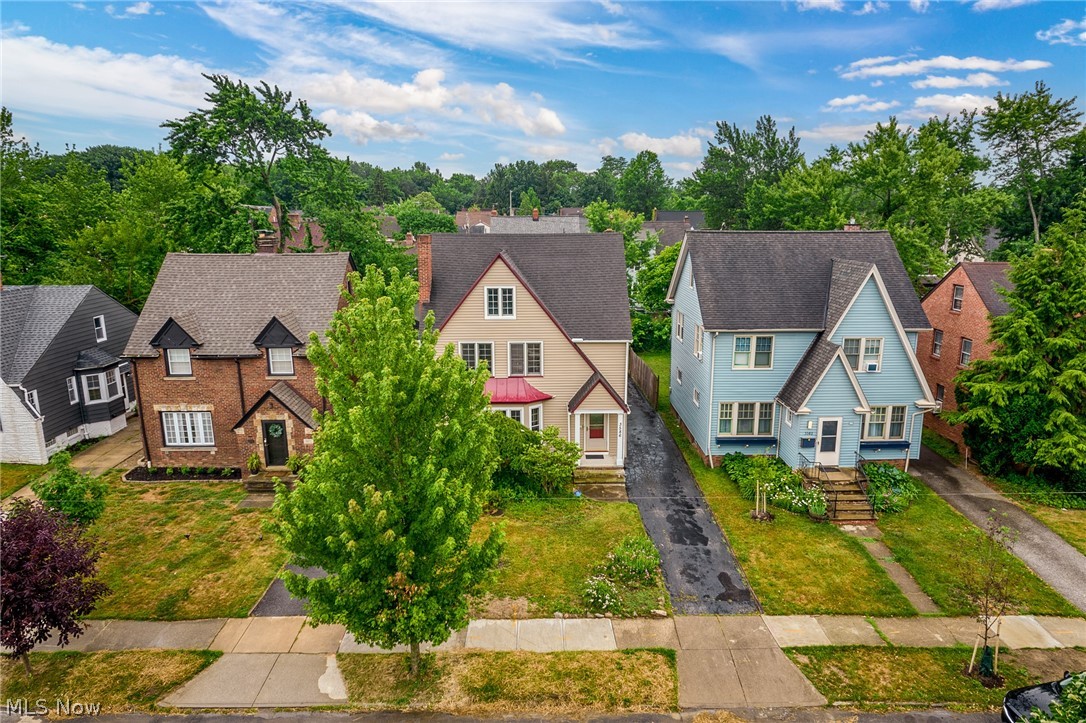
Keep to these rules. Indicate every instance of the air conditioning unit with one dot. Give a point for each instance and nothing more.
(872, 366)
(938, 406)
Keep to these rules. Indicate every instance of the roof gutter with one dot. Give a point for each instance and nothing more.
(712, 375)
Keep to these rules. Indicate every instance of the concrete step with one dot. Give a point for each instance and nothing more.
(599, 475)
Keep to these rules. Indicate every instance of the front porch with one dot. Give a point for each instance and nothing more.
(845, 489)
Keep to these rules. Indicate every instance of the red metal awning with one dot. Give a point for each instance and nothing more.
(513, 390)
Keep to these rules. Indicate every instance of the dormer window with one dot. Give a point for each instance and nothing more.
(178, 363)
(280, 361)
(99, 328)
(501, 302)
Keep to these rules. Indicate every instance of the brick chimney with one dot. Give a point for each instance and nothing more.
(535, 214)
(853, 226)
(409, 240)
(686, 221)
(426, 267)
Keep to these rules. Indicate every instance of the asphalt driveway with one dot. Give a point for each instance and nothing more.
(1046, 553)
(700, 569)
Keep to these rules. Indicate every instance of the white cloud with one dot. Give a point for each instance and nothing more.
(943, 104)
(547, 151)
(847, 100)
(920, 6)
(876, 83)
(982, 6)
(871, 7)
(498, 103)
(425, 90)
(869, 67)
(974, 80)
(611, 7)
(831, 5)
(681, 168)
(682, 144)
(1065, 32)
(362, 128)
(858, 104)
(132, 11)
(606, 146)
(140, 8)
(450, 156)
(837, 133)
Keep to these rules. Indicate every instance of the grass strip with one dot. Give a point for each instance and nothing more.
(13, 477)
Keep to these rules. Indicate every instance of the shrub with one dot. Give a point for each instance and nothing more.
(634, 562)
(600, 594)
(297, 462)
(1068, 496)
(253, 463)
(531, 464)
(651, 332)
(784, 487)
(889, 488)
(1071, 706)
(79, 496)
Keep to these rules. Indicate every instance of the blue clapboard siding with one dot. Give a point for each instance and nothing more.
(695, 371)
(789, 438)
(834, 397)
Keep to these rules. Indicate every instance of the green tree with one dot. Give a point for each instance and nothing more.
(251, 129)
(815, 197)
(602, 216)
(643, 186)
(80, 497)
(401, 469)
(653, 280)
(1039, 357)
(529, 202)
(1029, 135)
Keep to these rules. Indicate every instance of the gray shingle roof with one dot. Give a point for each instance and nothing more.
(593, 379)
(30, 318)
(845, 281)
(805, 376)
(986, 277)
(96, 358)
(225, 300)
(670, 232)
(580, 278)
(750, 280)
(545, 224)
(697, 218)
(298, 405)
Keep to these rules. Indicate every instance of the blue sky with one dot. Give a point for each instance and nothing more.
(464, 85)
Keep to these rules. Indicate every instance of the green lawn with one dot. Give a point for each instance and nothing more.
(941, 446)
(794, 564)
(554, 545)
(120, 682)
(488, 684)
(882, 677)
(14, 477)
(1068, 524)
(927, 539)
(180, 551)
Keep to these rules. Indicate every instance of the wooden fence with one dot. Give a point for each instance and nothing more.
(645, 379)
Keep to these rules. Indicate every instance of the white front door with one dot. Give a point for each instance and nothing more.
(828, 444)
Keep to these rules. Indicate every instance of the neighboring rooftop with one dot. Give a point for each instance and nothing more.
(30, 318)
(751, 280)
(542, 225)
(987, 278)
(580, 278)
(224, 301)
(696, 219)
(670, 232)
(467, 219)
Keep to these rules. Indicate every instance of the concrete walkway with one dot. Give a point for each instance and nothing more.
(1046, 553)
(119, 451)
(700, 570)
(870, 536)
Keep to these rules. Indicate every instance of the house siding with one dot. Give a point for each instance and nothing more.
(21, 437)
(834, 397)
(695, 371)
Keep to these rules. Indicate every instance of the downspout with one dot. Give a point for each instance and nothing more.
(142, 412)
(712, 376)
(241, 386)
(912, 426)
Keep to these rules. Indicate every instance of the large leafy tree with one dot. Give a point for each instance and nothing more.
(1029, 135)
(602, 216)
(47, 582)
(250, 128)
(1039, 363)
(643, 186)
(401, 468)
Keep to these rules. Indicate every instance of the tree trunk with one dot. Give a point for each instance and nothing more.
(1033, 216)
(26, 664)
(415, 657)
(280, 220)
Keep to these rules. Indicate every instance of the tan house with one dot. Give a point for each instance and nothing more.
(549, 314)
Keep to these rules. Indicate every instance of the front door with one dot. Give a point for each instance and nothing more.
(275, 443)
(595, 433)
(829, 441)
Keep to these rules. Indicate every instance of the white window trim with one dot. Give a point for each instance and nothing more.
(680, 320)
(102, 318)
(174, 415)
(753, 350)
(863, 348)
(699, 332)
(937, 338)
(32, 400)
(696, 396)
(103, 386)
(735, 421)
(475, 344)
(885, 437)
(73, 390)
(169, 363)
(788, 416)
(506, 411)
(271, 368)
(532, 408)
(961, 352)
(957, 302)
(499, 315)
(115, 375)
(678, 376)
(509, 358)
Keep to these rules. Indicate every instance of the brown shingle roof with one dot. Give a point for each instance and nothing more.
(229, 298)
(986, 278)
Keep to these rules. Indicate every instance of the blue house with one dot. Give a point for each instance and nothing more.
(797, 344)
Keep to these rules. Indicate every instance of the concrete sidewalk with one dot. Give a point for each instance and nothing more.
(119, 451)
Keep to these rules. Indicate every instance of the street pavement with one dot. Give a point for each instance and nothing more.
(1046, 553)
(700, 570)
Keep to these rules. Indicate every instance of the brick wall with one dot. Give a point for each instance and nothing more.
(214, 387)
(972, 323)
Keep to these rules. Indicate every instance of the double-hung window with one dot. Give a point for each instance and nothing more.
(32, 400)
(525, 358)
(501, 302)
(937, 343)
(739, 419)
(967, 352)
(113, 383)
(885, 423)
(99, 328)
(93, 387)
(475, 353)
(188, 429)
(863, 354)
(752, 352)
(73, 392)
(535, 418)
(679, 321)
(697, 397)
(698, 333)
(940, 393)
(956, 299)
(178, 363)
(280, 361)
(515, 413)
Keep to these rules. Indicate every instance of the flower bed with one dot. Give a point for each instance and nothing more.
(889, 488)
(784, 487)
(183, 474)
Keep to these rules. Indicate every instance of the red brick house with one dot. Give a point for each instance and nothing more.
(960, 308)
(218, 356)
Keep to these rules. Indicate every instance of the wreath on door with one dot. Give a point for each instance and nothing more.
(275, 430)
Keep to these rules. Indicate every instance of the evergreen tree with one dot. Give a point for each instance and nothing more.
(401, 468)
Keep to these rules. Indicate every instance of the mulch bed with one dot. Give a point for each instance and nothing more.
(183, 474)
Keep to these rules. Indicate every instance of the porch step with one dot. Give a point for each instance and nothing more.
(854, 516)
(266, 484)
(599, 475)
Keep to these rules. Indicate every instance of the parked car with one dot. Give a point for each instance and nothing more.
(1018, 703)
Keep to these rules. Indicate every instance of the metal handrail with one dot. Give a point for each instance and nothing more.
(861, 475)
(822, 478)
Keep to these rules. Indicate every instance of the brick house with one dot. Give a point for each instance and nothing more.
(960, 308)
(218, 356)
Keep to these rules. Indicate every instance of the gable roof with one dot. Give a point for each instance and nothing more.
(670, 232)
(30, 318)
(807, 375)
(579, 278)
(696, 218)
(986, 277)
(595, 379)
(845, 281)
(226, 300)
(755, 280)
(294, 403)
